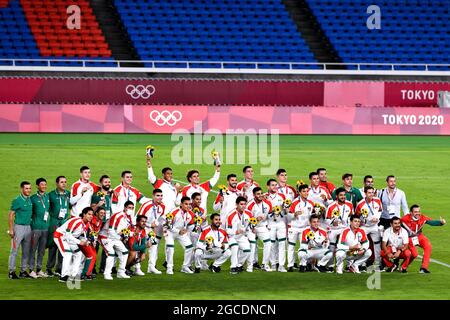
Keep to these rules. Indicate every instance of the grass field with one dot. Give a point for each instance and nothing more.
(422, 165)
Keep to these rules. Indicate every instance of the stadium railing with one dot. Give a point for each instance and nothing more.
(250, 67)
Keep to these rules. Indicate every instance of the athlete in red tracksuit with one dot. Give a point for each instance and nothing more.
(413, 223)
(90, 250)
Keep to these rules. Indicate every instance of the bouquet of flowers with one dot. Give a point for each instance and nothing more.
(310, 235)
(126, 233)
(335, 213)
(215, 156)
(223, 189)
(299, 183)
(93, 236)
(364, 212)
(100, 194)
(152, 237)
(277, 210)
(209, 242)
(169, 220)
(319, 209)
(287, 203)
(197, 223)
(149, 151)
(253, 222)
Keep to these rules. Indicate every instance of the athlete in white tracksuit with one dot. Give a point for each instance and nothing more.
(154, 211)
(260, 208)
(226, 199)
(178, 228)
(67, 238)
(369, 210)
(277, 226)
(240, 234)
(353, 245)
(212, 245)
(314, 245)
(299, 212)
(112, 236)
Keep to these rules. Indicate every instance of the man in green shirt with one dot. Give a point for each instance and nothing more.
(102, 198)
(39, 228)
(352, 194)
(59, 213)
(20, 230)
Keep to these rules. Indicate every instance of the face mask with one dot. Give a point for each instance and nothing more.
(130, 212)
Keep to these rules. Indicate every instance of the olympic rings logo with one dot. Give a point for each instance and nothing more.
(140, 91)
(166, 117)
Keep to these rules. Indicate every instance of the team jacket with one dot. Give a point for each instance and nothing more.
(229, 201)
(288, 191)
(237, 221)
(249, 191)
(261, 209)
(373, 209)
(313, 239)
(219, 237)
(203, 188)
(351, 237)
(305, 207)
(80, 201)
(154, 213)
(344, 211)
(181, 220)
(93, 228)
(414, 228)
(315, 195)
(276, 199)
(72, 231)
(116, 225)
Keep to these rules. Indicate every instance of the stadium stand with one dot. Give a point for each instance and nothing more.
(213, 30)
(411, 31)
(36, 29)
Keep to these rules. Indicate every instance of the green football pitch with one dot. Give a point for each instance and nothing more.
(421, 164)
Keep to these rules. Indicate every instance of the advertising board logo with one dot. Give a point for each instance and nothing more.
(140, 91)
(166, 117)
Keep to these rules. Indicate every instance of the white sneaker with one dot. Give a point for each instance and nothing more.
(267, 269)
(169, 271)
(153, 270)
(250, 269)
(139, 272)
(41, 274)
(274, 268)
(33, 274)
(339, 270)
(354, 269)
(107, 276)
(282, 269)
(186, 270)
(122, 275)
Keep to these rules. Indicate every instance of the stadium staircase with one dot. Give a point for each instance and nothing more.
(115, 32)
(309, 28)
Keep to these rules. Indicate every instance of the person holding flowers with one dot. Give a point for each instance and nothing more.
(112, 236)
(226, 198)
(314, 245)
(299, 212)
(369, 210)
(176, 227)
(212, 245)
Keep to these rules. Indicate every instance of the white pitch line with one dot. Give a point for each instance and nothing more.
(436, 261)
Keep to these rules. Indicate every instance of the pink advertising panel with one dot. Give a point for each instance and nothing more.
(167, 119)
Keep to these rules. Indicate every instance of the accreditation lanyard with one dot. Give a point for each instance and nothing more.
(370, 208)
(42, 201)
(155, 212)
(183, 215)
(389, 195)
(341, 216)
(218, 234)
(242, 222)
(60, 197)
(127, 193)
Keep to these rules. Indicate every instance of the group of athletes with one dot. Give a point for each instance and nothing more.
(315, 225)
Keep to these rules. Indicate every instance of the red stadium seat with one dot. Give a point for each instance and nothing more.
(47, 20)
